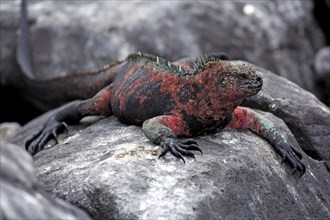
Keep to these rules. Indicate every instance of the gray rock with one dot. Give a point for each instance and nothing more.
(8, 26)
(281, 36)
(111, 170)
(21, 196)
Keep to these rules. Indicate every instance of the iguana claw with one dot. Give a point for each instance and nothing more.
(50, 131)
(292, 157)
(179, 148)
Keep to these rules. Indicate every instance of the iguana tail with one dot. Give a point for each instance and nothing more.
(49, 93)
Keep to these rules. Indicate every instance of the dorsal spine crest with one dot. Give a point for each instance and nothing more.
(207, 58)
(158, 62)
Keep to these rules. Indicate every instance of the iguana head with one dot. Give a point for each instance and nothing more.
(232, 81)
(241, 77)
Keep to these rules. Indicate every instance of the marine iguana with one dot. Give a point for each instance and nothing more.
(169, 100)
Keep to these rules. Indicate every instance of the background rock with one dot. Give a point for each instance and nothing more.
(21, 196)
(111, 170)
(80, 35)
(322, 68)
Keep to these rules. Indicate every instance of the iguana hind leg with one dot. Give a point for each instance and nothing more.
(71, 114)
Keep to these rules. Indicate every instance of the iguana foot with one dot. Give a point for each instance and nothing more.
(179, 148)
(292, 157)
(50, 131)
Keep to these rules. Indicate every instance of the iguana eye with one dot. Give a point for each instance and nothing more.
(243, 76)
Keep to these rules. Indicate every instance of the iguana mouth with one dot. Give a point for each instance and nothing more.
(255, 83)
(255, 86)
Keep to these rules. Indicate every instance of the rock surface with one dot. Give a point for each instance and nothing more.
(111, 170)
(283, 37)
(21, 195)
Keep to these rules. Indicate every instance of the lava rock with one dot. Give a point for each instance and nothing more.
(112, 171)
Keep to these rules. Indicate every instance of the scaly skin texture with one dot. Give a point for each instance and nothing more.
(174, 100)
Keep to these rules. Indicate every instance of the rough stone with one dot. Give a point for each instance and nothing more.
(281, 36)
(111, 170)
(21, 195)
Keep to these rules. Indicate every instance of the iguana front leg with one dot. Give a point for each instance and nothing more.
(247, 118)
(164, 131)
(71, 114)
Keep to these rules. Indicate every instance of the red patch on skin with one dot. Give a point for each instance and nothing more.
(103, 101)
(176, 124)
(246, 118)
(240, 119)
